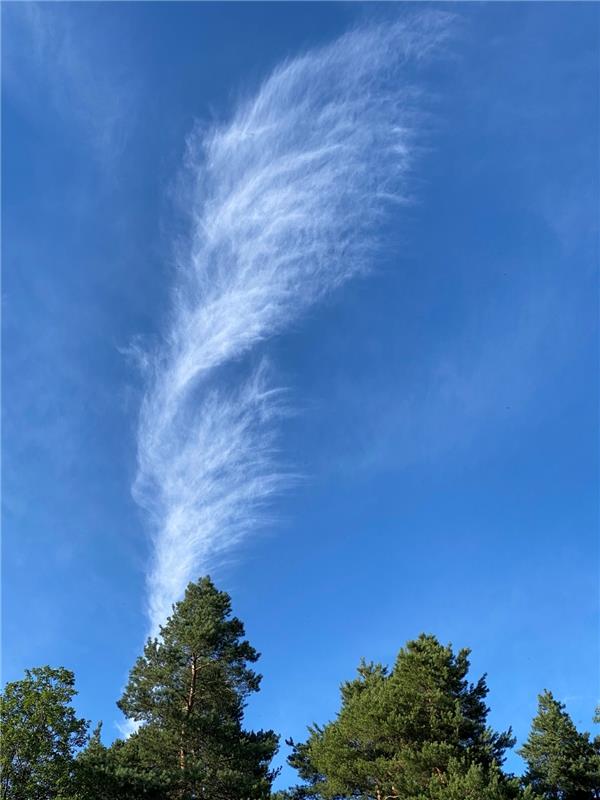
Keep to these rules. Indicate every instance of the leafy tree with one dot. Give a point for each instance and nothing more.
(40, 734)
(418, 733)
(188, 690)
(562, 763)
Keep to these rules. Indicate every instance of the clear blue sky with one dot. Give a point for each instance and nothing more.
(445, 417)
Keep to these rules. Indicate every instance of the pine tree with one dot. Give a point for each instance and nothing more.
(40, 735)
(562, 763)
(117, 772)
(188, 690)
(416, 733)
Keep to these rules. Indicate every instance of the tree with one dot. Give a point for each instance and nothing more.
(188, 690)
(473, 783)
(116, 772)
(40, 734)
(562, 763)
(418, 733)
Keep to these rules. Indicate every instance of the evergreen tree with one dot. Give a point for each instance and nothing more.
(417, 733)
(40, 734)
(116, 772)
(473, 783)
(562, 763)
(188, 690)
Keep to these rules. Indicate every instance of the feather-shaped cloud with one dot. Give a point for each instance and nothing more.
(287, 200)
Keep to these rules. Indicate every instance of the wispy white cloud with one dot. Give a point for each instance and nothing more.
(286, 202)
(127, 727)
(478, 387)
(54, 54)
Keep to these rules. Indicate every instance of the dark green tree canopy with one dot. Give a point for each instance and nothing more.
(562, 763)
(414, 732)
(188, 690)
(40, 734)
(118, 772)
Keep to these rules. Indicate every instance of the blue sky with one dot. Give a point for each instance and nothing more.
(443, 407)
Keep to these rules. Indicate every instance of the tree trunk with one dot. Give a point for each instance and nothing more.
(189, 705)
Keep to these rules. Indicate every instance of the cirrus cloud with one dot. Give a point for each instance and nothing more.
(286, 201)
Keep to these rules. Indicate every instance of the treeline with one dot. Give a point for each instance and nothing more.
(417, 731)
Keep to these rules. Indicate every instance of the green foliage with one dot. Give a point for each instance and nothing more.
(562, 763)
(117, 773)
(473, 782)
(416, 732)
(40, 734)
(188, 690)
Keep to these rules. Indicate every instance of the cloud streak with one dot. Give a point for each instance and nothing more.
(53, 60)
(286, 201)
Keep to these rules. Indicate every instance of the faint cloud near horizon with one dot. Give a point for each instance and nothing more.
(482, 386)
(51, 58)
